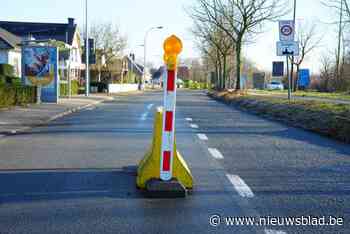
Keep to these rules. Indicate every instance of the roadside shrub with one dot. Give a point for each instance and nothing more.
(64, 88)
(11, 95)
(198, 85)
(2, 80)
(13, 80)
(6, 70)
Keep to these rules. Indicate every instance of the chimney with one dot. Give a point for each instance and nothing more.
(71, 22)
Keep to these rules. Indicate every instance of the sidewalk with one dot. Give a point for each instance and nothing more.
(16, 119)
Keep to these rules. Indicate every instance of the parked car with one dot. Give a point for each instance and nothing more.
(180, 83)
(275, 86)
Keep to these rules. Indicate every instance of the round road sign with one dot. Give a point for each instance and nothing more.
(286, 30)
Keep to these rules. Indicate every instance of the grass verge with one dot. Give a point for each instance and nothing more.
(313, 94)
(328, 119)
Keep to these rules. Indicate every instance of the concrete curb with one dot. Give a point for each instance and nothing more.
(73, 110)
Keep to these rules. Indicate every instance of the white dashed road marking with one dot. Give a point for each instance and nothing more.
(268, 231)
(150, 106)
(194, 126)
(215, 153)
(189, 119)
(203, 137)
(241, 187)
(144, 116)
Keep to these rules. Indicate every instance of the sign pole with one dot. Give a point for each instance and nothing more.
(289, 80)
(38, 94)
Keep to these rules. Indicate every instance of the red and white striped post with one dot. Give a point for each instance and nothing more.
(172, 47)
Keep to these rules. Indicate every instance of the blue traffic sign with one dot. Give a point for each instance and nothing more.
(277, 69)
(304, 78)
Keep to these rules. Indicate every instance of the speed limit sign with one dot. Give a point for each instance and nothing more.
(286, 30)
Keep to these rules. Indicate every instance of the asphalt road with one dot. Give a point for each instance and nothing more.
(291, 172)
(77, 175)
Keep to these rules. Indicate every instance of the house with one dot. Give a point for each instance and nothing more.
(183, 72)
(157, 77)
(67, 33)
(10, 51)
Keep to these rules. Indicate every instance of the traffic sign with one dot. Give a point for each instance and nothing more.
(286, 48)
(304, 78)
(286, 30)
(277, 69)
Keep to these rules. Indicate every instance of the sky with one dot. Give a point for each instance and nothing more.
(135, 17)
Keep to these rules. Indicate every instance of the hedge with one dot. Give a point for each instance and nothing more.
(64, 88)
(6, 70)
(11, 95)
(195, 85)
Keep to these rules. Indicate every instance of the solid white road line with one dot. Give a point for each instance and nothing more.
(215, 153)
(150, 106)
(194, 126)
(189, 119)
(269, 231)
(241, 187)
(202, 137)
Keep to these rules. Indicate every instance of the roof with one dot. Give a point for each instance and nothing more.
(136, 67)
(42, 31)
(8, 40)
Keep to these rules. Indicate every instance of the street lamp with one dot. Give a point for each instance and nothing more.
(87, 78)
(145, 54)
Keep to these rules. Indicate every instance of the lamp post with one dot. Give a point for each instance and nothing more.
(145, 55)
(292, 84)
(87, 74)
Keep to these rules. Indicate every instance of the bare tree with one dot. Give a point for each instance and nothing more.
(110, 43)
(212, 59)
(215, 39)
(326, 75)
(238, 19)
(308, 41)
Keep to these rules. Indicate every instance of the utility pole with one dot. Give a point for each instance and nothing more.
(294, 84)
(87, 73)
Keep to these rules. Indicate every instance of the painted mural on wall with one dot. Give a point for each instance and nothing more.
(40, 67)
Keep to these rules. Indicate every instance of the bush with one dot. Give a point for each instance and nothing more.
(6, 70)
(13, 80)
(11, 95)
(64, 88)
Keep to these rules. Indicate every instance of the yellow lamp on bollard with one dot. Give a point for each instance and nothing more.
(172, 45)
(172, 48)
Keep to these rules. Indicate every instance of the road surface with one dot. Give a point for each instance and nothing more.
(77, 175)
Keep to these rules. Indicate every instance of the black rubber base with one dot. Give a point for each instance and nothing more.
(165, 189)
